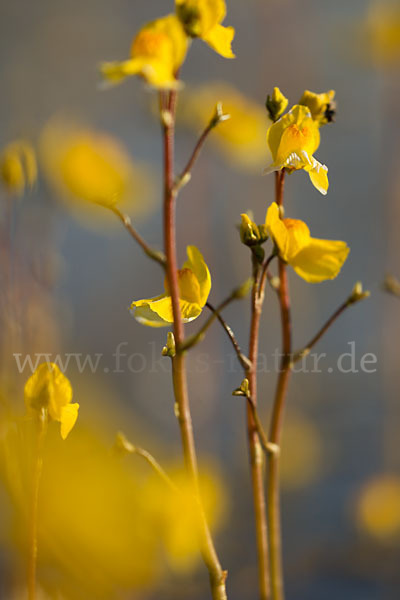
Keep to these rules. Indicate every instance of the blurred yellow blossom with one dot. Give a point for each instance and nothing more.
(380, 33)
(313, 259)
(378, 507)
(87, 167)
(18, 168)
(202, 19)
(241, 138)
(194, 287)
(292, 140)
(322, 106)
(302, 458)
(49, 389)
(177, 512)
(276, 104)
(157, 52)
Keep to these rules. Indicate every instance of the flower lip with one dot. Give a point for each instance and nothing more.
(194, 287)
(313, 259)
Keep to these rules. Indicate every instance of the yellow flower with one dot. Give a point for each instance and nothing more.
(194, 288)
(47, 388)
(378, 507)
(87, 167)
(241, 138)
(381, 33)
(322, 106)
(202, 19)
(292, 141)
(313, 259)
(18, 168)
(157, 53)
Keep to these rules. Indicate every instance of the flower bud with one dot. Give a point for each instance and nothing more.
(276, 104)
(18, 168)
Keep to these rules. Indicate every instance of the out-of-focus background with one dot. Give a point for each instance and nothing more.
(75, 271)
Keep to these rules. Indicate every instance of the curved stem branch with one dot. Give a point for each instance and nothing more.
(218, 116)
(338, 312)
(244, 361)
(150, 252)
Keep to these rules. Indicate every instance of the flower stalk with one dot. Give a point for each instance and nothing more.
(34, 504)
(216, 574)
(273, 478)
(255, 449)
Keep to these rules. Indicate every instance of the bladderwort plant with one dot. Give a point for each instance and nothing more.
(157, 54)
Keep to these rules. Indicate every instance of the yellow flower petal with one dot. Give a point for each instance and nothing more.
(116, 71)
(319, 177)
(69, 415)
(298, 237)
(277, 230)
(320, 260)
(157, 312)
(197, 265)
(219, 38)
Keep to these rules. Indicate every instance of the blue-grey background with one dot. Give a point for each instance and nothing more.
(49, 51)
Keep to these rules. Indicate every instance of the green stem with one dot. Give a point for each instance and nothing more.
(216, 574)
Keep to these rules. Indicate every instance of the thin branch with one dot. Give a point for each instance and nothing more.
(356, 296)
(265, 274)
(122, 444)
(244, 361)
(199, 336)
(217, 118)
(156, 255)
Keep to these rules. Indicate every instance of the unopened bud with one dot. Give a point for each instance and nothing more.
(276, 104)
(170, 348)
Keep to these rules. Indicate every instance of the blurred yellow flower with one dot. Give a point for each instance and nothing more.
(157, 53)
(47, 388)
(194, 288)
(378, 507)
(302, 458)
(292, 140)
(202, 19)
(87, 167)
(313, 259)
(18, 168)
(322, 106)
(381, 33)
(177, 512)
(241, 138)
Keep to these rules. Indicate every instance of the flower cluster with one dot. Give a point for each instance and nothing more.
(295, 136)
(159, 48)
